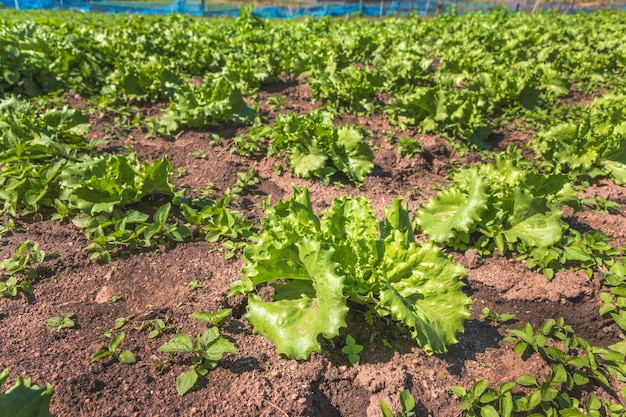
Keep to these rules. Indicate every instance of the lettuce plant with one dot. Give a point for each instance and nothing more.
(317, 264)
(24, 399)
(510, 207)
(315, 146)
(590, 147)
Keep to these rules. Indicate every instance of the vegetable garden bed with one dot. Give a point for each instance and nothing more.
(308, 217)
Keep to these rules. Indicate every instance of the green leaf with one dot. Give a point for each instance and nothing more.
(114, 344)
(453, 210)
(185, 381)
(293, 325)
(127, 357)
(527, 381)
(423, 290)
(211, 318)
(571, 412)
(406, 401)
(532, 222)
(178, 343)
(24, 399)
(351, 155)
(615, 163)
(162, 213)
(384, 408)
(488, 411)
(458, 391)
(479, 388)
(101, 354)
(506, 405)
(310, 162)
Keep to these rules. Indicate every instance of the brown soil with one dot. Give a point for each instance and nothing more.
(255, 382)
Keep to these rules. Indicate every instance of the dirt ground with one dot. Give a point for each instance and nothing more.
(255, 381)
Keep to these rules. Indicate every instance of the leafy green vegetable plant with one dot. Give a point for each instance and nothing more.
(509, 206)
(215, 220)
(316, 148)
(614, 300)
(109, 232)
(12, 286)
(325, 261)
(215, 101)
(102, 183)
(24, 399)
(113, 349)
(448, 111)
(408, 147)
(27, 253)
(591, 147)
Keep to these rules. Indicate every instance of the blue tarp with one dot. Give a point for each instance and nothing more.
(385, 8)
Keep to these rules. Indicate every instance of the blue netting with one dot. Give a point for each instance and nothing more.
(385, 8)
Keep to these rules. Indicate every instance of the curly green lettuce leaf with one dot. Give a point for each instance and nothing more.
(423, 290)
(285, 224)
(24, 399)
(311, 162)
(351, 155)
(294, 324)
(615, 164)
(454, 210)
(353, 230)
(533, 222)
(101, 184)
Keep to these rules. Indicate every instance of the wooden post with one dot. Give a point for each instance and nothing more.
(535, 6)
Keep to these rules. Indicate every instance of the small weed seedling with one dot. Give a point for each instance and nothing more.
(56, 323)
(407, 404)
(198, 154)
(11, 286)
(601, 205)
(352, 349)
(194, 285)
(275, 102)
(492, 316)
(159, 326)
(27, 253)
(211, 318)
(119, 323)
(125, 356)
(206, 350)
(408, 147)
(578, 372)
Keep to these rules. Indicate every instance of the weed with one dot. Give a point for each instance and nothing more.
(125, 356)
(492, 316)
(407, 405)
(352, 350)
(57, 323)
(206, 350)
